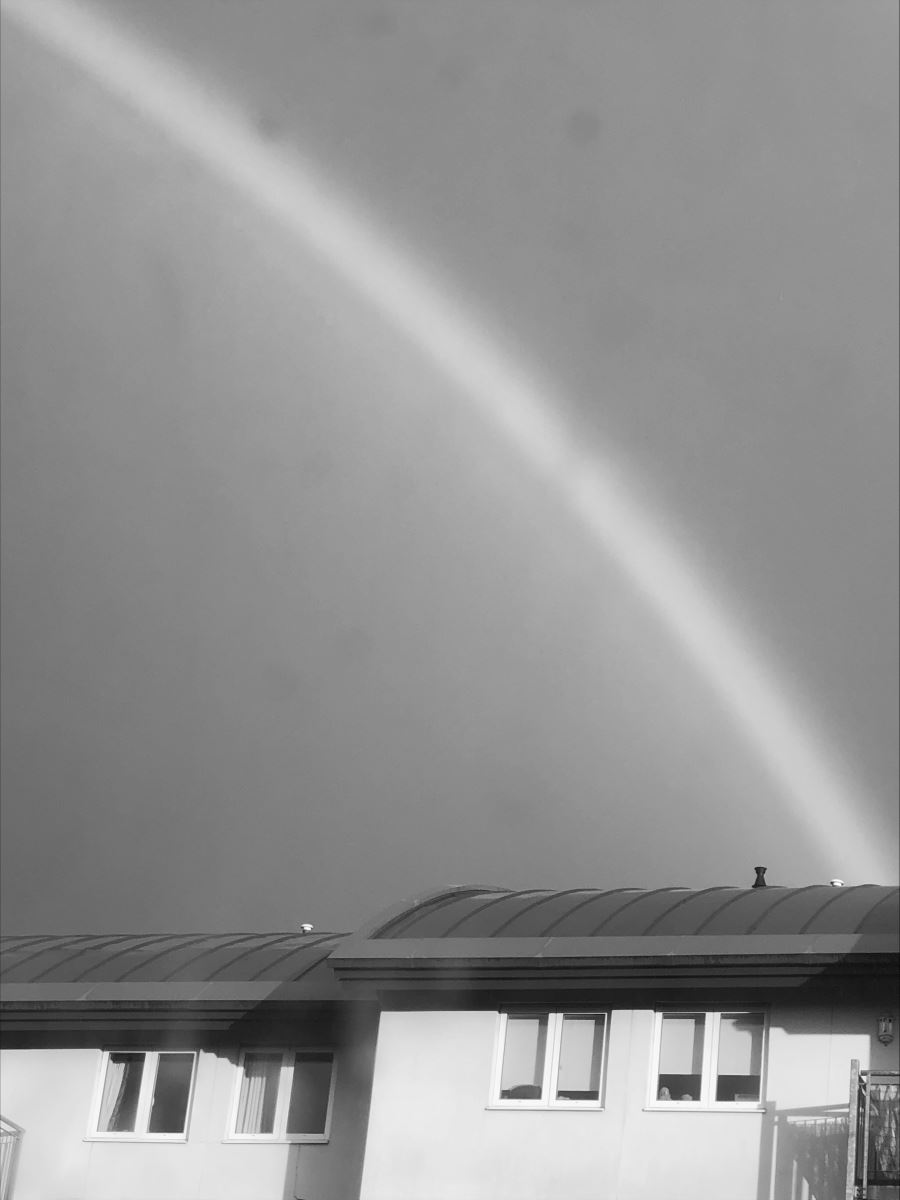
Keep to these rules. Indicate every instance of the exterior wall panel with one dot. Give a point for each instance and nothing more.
(434, 1136)
(50, 1091)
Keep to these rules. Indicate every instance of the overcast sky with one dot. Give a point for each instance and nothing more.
(289, 631)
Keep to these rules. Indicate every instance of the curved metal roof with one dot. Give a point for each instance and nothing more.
(144, 961)
(634, 912)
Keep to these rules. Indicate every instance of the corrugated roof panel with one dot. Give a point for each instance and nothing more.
(634, 912)
(248, 962)
(164, 960)
(56, 960)
(298, 962)
(288, 958)
(24, 962)
(690, 909)
(30, 941)
(142, 962)
(793, 910)
(227, 958)
(884, 916)
(584, 914)
(547, 908)
(113, 959)
(632, 918)
(436, 919)
(228, 961)
(407, 916)
(738, 912)
(822, 906)
(494, 912)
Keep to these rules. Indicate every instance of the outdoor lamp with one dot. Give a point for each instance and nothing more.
(885, 1030)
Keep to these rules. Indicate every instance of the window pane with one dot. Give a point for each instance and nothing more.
(523, 1057)
(259, 1093)
(580, 1058)
(680, 1057)
(309, 1093)
(121, 1089)
(170, 1093)
(739, 1069)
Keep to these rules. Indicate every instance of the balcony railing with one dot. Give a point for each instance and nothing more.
(873, 1147)
(10, 1141)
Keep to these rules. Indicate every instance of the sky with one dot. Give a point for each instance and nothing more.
(295, 623)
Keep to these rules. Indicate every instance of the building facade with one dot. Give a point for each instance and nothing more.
(179, 1068)
(474, 1044)
(629, 1045)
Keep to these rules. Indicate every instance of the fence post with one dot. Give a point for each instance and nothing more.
(852, 1126)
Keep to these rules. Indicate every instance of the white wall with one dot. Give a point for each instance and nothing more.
(50, 1091)
(432, 1135)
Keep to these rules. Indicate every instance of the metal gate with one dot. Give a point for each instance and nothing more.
(10, 1141)
(873, 1148)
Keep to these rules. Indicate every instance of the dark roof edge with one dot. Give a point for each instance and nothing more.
(766, 974)
(62, 1016)
(633, 946)
(764, 960)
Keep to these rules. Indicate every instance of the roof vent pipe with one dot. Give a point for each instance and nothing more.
(760, 880)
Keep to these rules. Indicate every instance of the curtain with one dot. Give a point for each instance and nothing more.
(259, 1092)
(119, 1101)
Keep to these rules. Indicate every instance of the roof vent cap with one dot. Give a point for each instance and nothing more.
(836, 882)
(760, 880)
(306, 927)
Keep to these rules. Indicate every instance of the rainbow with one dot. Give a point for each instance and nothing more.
(512, 401)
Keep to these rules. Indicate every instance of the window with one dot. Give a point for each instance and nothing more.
(284, 1095)
(144, 1094)
(708, 1059)
(549, 1059)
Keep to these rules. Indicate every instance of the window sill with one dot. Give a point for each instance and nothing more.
(299, 1139)
(536, 1106)
(759, 1109)
(153, 1139)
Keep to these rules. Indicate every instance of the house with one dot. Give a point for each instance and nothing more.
(632, 1045)
(474, 1044)
(181, 1068)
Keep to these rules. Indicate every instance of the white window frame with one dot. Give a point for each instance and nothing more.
(707, 1101)
(145, 1099)
(555, 1019)
(282, 1104)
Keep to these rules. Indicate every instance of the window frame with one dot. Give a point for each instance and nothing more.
(279, 1134)
(144, 1109)
(707, 1101)
(550, 1074)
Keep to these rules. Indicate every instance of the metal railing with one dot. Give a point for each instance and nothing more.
(873, 1143)
(10, 1140)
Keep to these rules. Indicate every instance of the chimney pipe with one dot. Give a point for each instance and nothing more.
(760, 880)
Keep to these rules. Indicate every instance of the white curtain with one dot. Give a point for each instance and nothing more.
(259, 1092)
(118, 1073)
